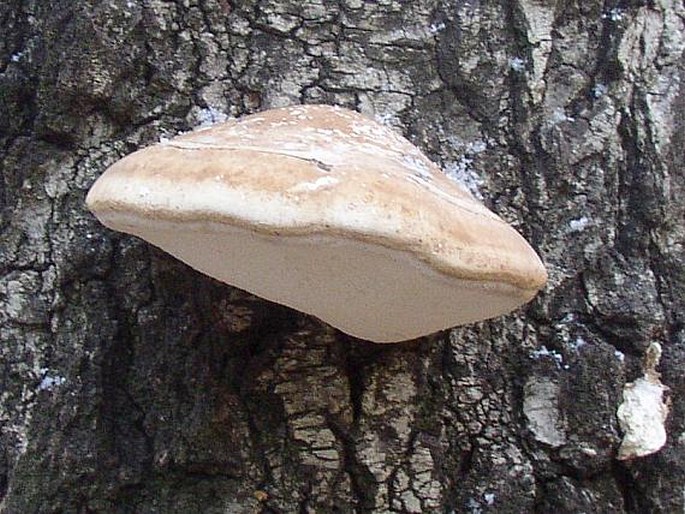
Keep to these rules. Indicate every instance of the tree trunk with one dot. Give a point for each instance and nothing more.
(130, 383)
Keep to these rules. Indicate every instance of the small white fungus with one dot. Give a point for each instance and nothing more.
(614, 14)
(579, 224)
(434, 28)
(543, 351)
(559, 115)
(49, 382)
(517, 64)
(599, 90)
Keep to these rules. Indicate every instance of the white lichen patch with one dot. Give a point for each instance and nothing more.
(643, 413)
(539, 18)
(464, 174)
(20, 301)
(540, 406)
(462, 170)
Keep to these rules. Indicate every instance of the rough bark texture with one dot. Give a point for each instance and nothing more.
(130, 383)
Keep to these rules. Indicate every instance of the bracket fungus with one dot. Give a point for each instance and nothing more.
(323, 210)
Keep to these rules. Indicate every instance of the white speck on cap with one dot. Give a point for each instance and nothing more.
(328, 212)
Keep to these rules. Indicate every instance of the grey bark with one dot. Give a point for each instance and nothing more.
(130, 383)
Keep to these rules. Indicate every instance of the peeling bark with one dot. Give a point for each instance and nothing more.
(130, 383)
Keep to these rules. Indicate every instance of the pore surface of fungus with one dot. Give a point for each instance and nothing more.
(328, 212)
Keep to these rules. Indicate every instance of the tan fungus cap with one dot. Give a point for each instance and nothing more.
(328, 212)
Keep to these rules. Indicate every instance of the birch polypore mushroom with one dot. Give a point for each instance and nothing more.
(325, 211)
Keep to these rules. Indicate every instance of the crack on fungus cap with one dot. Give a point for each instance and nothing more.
(328, 212)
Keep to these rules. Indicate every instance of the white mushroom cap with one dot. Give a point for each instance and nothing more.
(325, 211)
